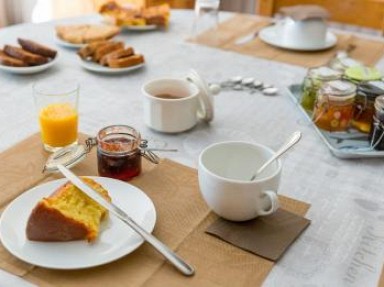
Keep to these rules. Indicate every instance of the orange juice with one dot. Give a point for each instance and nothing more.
(58, 123)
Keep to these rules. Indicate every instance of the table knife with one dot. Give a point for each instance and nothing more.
(177, 261)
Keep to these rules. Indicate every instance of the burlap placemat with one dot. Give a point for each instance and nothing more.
(228, 32)
(182, 219)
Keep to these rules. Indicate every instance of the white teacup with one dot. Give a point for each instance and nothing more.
(224, 172)
(174, 105)
(309, 33)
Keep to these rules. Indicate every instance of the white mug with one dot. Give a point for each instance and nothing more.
(170, 105)
(224, 173)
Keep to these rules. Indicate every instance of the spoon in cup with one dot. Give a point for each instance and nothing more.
(292, 140)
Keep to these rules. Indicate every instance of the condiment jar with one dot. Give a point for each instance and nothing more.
(314, 80)
(360, 74)
(376, 135)
(342, 62)
(364, 104)
(118, 152)
(334, 106)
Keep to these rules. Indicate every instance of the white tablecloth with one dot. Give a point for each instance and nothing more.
(344, 245)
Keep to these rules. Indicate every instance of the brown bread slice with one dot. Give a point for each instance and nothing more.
(126, 61)
(121, 53)
(104, 50)
(88, 50)
(37, 48)
(10, 61)
(29, 58)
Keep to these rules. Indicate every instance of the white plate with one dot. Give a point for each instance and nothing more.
(271, 36)
(116, 239)
(68, 44)
(97, 68)
(139, 28)
(29, 70)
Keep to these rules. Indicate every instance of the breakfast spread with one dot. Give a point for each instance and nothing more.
(85, 33)
(124, 16)
(68, 214)
(29, 54)
(112, 54)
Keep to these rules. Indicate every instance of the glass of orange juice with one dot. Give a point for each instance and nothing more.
(57, 107)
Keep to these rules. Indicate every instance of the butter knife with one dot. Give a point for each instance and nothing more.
(177, 261)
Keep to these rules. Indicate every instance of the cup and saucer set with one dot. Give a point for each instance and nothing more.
(303, 28)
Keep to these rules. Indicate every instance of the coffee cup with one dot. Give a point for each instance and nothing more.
(225, 170)
(174, 105)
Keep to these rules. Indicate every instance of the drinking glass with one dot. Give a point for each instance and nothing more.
(56, 101)
(206, 16)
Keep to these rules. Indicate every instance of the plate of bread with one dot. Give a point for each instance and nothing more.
(55, 225)
(28, 58)
(136, 18)
(77, 36)
(110, 57)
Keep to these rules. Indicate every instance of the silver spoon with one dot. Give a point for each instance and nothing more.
(293, 139)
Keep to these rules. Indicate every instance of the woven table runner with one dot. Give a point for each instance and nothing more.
(182, 218)
(228, 32)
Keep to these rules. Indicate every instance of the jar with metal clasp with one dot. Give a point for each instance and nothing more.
(342, 62)
(314, 80)
(376, 135)
(364, 104)
(359, 74)
(334, 106)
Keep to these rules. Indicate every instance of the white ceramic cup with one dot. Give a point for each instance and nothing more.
(310, 33)
(224, 174)
(177, 113)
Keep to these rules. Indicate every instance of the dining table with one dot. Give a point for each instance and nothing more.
(344, 244)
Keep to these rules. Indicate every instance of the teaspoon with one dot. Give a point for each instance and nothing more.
(293, 139)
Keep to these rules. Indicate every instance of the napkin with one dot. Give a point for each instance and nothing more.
(304, 12)
(267, 236)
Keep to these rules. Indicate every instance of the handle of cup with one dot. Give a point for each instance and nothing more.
(274, 201)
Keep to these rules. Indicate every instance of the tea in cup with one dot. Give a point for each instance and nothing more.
(225, 170)
(174, 105)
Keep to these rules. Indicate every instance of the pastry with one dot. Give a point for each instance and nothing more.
(126, 61)
(37, 48)
(25, 56)
(121, 53)
(68, 214)
(82, 34)
(10, 61)
(106, 49)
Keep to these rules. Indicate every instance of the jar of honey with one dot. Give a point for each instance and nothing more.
(314, 80)
(376, 135)
(334, 106)
(118, 152)
(364, 104)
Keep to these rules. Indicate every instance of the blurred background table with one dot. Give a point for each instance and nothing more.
(344, 246)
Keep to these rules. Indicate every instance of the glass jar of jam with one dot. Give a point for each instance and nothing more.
(376, 135)
(314, 80)
(118, 152)
(334, 106)
(364, 104)
(359, 74)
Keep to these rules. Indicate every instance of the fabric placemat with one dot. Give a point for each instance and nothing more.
(182, 218)
(224, 37)
(267, 236)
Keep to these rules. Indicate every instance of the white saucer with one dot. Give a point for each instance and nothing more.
(29, 70)
(271, 36)
(116, 239)
(97, 68)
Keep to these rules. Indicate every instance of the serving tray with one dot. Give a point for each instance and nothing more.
(349, 144)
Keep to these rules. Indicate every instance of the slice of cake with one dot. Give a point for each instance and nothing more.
(68, 214)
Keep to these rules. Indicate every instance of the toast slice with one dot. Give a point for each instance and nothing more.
(99, 33)
(118, 54)
(104, 50)
(90, 49)
(27, 57)
(10, 61)
(126, 61)
(71, 33)
(37, 48)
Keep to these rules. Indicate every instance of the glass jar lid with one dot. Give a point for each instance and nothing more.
(339, 90)
(361, 73)
(118, 139)
(324, 73)
(371, 89)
